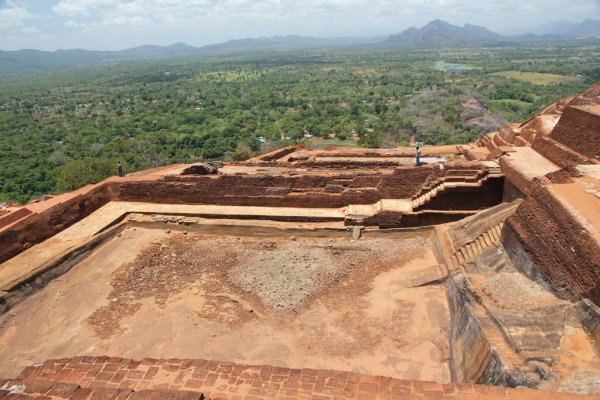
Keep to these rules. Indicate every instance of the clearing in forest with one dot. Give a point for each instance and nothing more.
(537, 78)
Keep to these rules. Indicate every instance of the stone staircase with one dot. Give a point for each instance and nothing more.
(453, 180)
(470, 250)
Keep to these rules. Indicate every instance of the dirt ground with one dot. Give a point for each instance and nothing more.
(320, 302)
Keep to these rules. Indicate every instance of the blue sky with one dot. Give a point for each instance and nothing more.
(119, 24)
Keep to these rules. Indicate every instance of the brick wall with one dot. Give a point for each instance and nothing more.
(547, 243)
(279, 153)
(39, 226)
(579, 130)
(558, 153)
(322, 191)
(83, 378)
(487, 195)
(9, 218)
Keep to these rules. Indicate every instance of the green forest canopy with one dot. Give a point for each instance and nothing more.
(148, 114)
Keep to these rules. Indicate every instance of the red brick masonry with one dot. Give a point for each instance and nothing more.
(104, 378)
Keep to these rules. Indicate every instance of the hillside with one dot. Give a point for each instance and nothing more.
(440, 33)
(285, 43)
(147, 114)
(566, 29)
(35, 61)
(32, 61)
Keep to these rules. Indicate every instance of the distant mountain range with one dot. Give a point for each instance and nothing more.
(566, 29)
(435, 34)
(289, 42)
(440, 33)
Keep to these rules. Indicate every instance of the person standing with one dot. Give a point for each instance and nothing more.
(418, 156)
(119, 168)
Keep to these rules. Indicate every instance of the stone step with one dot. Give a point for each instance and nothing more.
(478, 246)
(454, 262)
(470, 251)
(486, 238)
(465, 255)
(495, 237)
(449, 182)
(460, 256)
(498, 229)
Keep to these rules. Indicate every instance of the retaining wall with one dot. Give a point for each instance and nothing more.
(9, 218)
(39, 226)
(558, 153)
(323, 191)
(548, 243)
(391, 219)
(487, 195)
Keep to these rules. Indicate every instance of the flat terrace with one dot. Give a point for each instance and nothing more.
(354, 157)
(36, 260)
(273, 297)
(263, 292)
(582, 197)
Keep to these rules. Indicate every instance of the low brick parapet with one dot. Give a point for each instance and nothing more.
(109, 378)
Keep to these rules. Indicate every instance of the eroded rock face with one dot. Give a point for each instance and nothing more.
(509, 325)
(473, 359)
(509, 330)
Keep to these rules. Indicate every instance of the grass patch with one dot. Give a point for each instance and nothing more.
(318, 143)
(537, 78)
(511, 102)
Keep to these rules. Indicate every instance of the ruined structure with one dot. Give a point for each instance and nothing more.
(319, 274)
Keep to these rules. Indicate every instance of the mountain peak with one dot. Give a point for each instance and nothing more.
(180, 45)
(439, 24)
(439, 33)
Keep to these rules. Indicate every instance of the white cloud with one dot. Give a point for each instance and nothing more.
(180, 13)
(12, 17)
(30, 29)
(126, 23)
(72, 24)
(72, 8)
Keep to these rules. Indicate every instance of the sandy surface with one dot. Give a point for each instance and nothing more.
(529, 163)
(358, 154)
(289, 301)
(580, 195)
